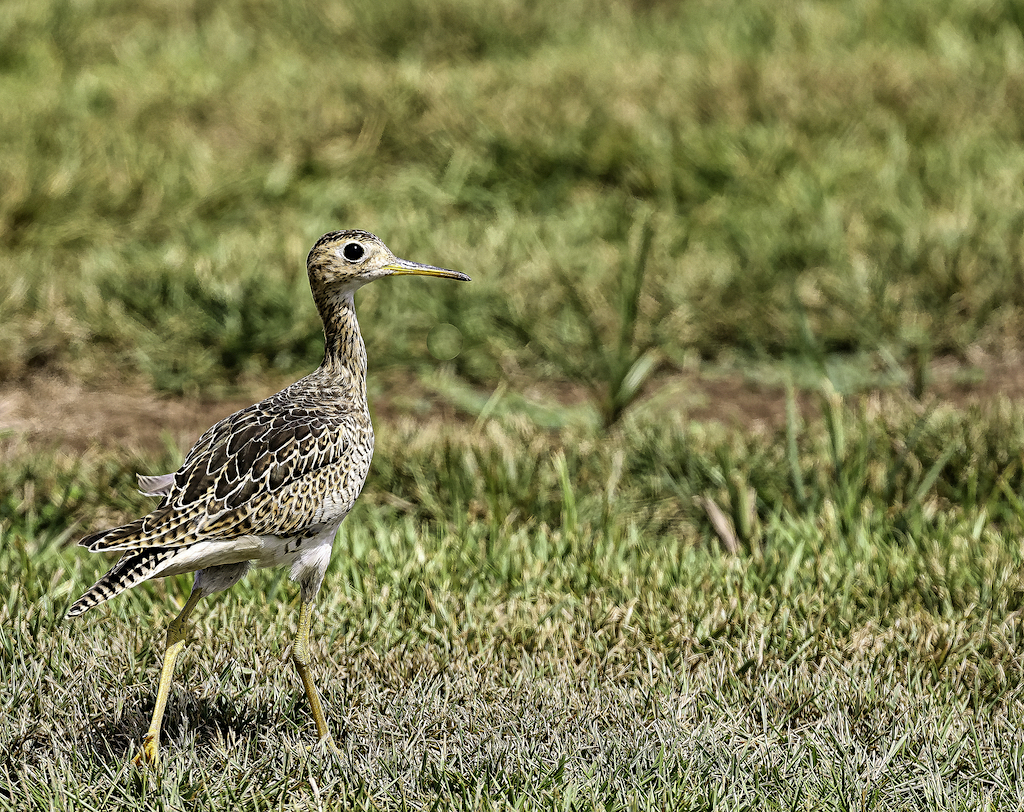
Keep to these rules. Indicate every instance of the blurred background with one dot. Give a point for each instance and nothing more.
(814, 191)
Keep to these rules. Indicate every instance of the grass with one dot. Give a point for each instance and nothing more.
(613, 368)
(502, 627)
(542, 607)
(820, 178)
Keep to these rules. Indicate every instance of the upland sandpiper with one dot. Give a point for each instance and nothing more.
(270, 484)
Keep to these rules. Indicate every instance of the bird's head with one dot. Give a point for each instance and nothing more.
(343, 261)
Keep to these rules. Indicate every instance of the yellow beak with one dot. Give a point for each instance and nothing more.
(402, 267)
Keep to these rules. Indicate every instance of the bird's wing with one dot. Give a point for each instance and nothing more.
(260, 471)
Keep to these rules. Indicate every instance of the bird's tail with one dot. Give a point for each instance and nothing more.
(132, 568)
(161, 528)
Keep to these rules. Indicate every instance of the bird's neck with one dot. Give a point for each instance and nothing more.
(344, 353)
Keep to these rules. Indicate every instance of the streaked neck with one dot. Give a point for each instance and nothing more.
(344, 351)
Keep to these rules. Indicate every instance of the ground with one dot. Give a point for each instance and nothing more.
(137, 418)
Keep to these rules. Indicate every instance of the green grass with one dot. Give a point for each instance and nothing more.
(595, 606)
(821, 178)
(515, 619)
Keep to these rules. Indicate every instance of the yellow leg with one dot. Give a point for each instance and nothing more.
(175, 641)
(300, 656)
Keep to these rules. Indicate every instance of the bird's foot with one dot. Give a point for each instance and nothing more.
(149, 756)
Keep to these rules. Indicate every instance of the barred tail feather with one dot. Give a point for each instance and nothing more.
(112, 537)
(159, 529)
(132, 569)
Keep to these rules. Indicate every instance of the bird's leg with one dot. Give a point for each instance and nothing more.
(301, 658)
(175, 641)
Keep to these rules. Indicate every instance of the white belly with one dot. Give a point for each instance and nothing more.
(299, 554)
(308, 557)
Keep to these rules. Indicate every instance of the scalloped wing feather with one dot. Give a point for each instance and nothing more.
(270, 469)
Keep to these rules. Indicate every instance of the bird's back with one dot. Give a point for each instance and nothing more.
(296, 459)
(287, 468)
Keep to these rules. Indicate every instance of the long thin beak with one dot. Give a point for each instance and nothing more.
(402, 267)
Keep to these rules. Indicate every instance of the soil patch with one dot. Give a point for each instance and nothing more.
(49, 412)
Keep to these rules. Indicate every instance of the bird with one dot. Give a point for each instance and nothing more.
(268, 485)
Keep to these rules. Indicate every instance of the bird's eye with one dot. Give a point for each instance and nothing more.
(353, 251)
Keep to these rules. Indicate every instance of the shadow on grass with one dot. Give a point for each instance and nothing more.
(189, 723)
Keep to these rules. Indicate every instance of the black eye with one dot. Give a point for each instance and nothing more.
(353, 251)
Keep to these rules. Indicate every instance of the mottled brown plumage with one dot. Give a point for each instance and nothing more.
(270, 484)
